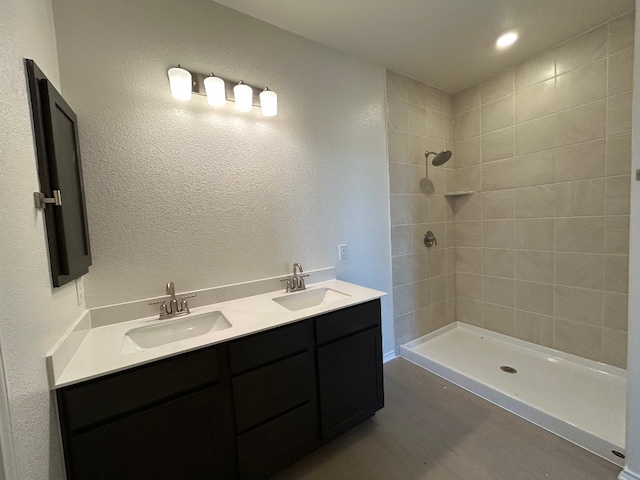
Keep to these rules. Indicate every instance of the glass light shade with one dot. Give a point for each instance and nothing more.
(180, 82)
(243, 96)
(269, 103)
(214, 87)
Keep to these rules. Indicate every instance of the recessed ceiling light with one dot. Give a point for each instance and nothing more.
(507, 39)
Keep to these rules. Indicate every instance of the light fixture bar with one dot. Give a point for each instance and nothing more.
(198, 87)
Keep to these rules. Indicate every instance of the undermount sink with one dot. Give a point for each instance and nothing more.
(309, 298)
(170, 331)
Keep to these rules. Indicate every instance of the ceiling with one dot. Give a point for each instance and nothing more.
(449, 44)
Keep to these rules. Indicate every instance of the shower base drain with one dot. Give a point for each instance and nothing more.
(508, 369)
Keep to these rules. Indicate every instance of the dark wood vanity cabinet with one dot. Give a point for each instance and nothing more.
(349, 354)
(172, 419)
(244, 409)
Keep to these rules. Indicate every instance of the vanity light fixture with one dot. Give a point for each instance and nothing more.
(215, 90)
(243, 94)
(507, 40)
(180, 82)
(220, 90)
(269, 102)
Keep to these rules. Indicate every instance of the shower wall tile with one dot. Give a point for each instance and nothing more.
(397, 115)
(534, 328)
(435, 124)
(499, 204)
(419, 119)
(545, 238)
(616, 234)
(398, 147)
(534, 234)
(535, 202)
(498, 319)
(583, 123)
(581, 161)
(614, 348)
(500, 85)
(397, 85)
(468, 179)
(618, 155)
(535, 135)
(469, 286)
(466, 125)
(621, 33)
(467, 153)
(469, 260)
(582, 50)
(616, 307)
(497, 115)
(582, 85)
(535, 70)
(524, 171)
(584, 270)
(466, 99)
(497, 145)
(579, 305)
(578, 339)
(469, 311)
(417, 92)
(534, 297)
(616, 273)
(534, 266)
(618, 196)
(580, 234)
(498, 291)
(583, 198)
(620, 72)
(498, 233)
(619, 114)
(536, 101)
(498, 262)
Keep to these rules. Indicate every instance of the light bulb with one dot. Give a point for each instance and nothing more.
(269, 103)
(507, 40)
(243, 95)
(180, 82)
(214, 87)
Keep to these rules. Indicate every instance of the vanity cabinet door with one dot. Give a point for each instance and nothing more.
(350, 381)
(180, 439)
(172, 419)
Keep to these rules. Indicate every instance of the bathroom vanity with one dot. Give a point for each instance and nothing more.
(243, 408)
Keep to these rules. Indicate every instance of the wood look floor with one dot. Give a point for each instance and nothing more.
(430, 429)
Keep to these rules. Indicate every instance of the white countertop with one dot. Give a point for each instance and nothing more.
(99, 352)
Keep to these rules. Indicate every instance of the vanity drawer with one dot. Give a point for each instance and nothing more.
(264, 393)
(347, 321)
(269, 346)
(98, 400)
(269, 448)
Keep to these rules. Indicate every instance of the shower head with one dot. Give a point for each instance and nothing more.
(440, 158)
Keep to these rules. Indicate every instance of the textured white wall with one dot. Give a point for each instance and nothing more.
(179, 191)
(33, 316)
(632, 469)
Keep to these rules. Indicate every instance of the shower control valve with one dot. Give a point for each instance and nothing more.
(430, 239)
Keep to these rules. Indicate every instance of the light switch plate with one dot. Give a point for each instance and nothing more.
(342, 251)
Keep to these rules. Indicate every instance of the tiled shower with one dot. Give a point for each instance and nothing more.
(539, 251)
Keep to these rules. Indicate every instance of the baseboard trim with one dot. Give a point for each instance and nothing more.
(627, 475)
(387, 357)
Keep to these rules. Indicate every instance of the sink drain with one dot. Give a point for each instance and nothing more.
(508, 369)
(617, 453)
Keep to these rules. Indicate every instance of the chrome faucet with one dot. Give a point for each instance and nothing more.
(173, 309)
(296, 282)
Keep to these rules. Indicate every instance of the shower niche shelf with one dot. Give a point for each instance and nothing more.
(457, 194)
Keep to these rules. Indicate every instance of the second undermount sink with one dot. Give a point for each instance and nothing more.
(170, 331)
(309, 298)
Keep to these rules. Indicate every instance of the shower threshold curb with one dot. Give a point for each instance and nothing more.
(564, 429)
